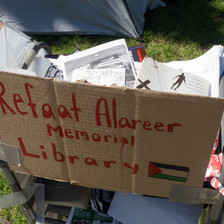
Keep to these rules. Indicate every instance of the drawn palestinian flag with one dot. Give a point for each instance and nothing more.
(168, 172)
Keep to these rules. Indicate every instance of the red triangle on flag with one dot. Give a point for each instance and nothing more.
(153, 169)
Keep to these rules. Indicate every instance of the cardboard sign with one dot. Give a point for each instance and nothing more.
(111, 138)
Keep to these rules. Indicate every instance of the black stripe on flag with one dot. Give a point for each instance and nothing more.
(168, 172)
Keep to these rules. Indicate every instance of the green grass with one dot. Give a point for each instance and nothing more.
(182, 30)
(10, 215)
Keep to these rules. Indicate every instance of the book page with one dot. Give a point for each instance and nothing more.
(208, 66)
(157, 76)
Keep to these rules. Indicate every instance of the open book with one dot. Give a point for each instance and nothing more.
(157, 76)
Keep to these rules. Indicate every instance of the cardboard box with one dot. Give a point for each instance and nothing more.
(113, 138)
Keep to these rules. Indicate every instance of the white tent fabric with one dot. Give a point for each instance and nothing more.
(117, 17)
(15, 47)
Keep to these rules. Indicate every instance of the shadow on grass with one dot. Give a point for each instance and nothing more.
(200, 21)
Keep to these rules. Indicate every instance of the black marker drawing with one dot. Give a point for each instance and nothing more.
(179, 81)
(143, 84)
(53, 72)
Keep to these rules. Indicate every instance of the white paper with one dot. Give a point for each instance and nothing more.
(47, 68)
(14, 47)
(156, 76)
(100, 76)
(134, 208)
(137, 66)
(110, 55)
(208, 66)
(19, 71)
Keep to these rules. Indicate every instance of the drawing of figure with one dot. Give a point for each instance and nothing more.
(179, 81)
(54, 72)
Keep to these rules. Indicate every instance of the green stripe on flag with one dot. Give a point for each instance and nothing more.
(170, 177)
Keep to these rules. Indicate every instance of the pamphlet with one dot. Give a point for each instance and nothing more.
(111, 55)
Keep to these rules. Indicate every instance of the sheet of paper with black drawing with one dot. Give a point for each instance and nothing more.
(47, 68)
(208, 66)
(111, 55)
(156, 76)
(101, 76)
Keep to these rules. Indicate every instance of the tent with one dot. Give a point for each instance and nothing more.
(117, 17)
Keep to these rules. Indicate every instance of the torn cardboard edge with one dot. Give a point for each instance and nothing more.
(89, 135)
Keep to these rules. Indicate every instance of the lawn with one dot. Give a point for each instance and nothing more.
(182, 30)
